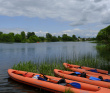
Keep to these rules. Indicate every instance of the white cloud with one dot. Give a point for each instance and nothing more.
(76, 11)
(41, 33)
(8, 30)
(81, 33)
(75, 31)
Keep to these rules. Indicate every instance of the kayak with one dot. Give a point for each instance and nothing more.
(89, 69)
(54, 84)
(82, 77)
(81, 70)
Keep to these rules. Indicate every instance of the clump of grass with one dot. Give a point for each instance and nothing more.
(26, 66)
(68, 91)
(45, 67)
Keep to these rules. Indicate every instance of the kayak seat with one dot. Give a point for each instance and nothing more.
(20, 74)
(40, 78)
(107, 80)
(93, 70)
(100, 77)
(76, 85)
(83, 75)
(75, 73)
(94, 78)
(62, 82)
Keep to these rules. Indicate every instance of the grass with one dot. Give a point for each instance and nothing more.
(44, 67)
(48, 67)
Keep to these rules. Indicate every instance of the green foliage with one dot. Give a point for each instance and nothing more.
(23, 36)
(30, 34)
(104, 35)
(11, 37)
(18, 38)
(74, 38)
(34, 39)
(7, 37)
(49, 37)
(65, 37)
(59, 38)
(1, 33)
(42, 38)
(54, 39)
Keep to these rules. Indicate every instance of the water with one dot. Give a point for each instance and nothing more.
(13, 53)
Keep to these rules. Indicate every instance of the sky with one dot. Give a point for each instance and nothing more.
(83, 18)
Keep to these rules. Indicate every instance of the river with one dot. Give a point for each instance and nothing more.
(13, 53)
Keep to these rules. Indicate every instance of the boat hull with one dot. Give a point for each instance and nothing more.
(66, 74)
(53, 87)
(74, 68)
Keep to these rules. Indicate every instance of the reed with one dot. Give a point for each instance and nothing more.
(47, 67)
(44, 67)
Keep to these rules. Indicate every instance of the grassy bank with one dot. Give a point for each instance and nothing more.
(47, 67)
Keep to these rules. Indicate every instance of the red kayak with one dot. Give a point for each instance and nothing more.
(54, 84)
(82, 77)
(81, 70)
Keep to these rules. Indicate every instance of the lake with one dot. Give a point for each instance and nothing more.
(13, 53)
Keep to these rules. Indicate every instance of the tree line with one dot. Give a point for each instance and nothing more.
(103, 35)
(30, 37)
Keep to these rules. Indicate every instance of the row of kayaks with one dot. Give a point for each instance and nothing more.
(79, 80)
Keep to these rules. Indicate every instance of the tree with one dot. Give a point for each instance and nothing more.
(59, 38)
(30, 34)
(64, 37)
(42, 38)
(23, 35)
(74, 38)
(48, 37)
(1, 36)
(54, 39)
(11, 37)
(1, 32)
(104, 35)
(18, 38)
(4, 38)
(34, 39)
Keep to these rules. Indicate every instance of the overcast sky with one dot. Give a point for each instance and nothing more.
(82, 18)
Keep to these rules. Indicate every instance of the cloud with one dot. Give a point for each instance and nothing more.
(97, 1)
(75, 31)
(81, 33)
(41, 33)
(8, 30)
(106, 17)
(73, 10)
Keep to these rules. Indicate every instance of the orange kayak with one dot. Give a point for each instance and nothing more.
(54, 84)
(81, 70)
(81, 78)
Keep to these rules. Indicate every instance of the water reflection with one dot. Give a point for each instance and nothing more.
(104, 53)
